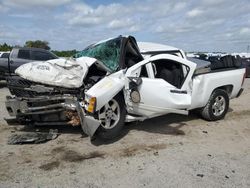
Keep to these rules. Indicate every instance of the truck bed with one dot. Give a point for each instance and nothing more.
(229, 79)
(225, 63)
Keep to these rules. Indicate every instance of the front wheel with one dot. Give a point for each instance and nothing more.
(217, 106)
(112, 118)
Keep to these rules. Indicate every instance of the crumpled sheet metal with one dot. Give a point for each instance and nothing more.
(68, 73)
(33, 138)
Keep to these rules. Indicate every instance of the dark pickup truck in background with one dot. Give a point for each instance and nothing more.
(20, 56)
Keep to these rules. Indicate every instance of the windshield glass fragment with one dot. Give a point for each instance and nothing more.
(107, 52)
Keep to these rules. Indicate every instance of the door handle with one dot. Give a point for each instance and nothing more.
(178, 91)
(11, 62)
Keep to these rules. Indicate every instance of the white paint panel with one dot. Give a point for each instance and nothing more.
(205, 84)
(107, 88)
(157, 98)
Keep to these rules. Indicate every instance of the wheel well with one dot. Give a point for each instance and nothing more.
(227, 88)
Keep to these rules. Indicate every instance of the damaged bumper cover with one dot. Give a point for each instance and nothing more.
(89, 124)
(43, 106)
(40, 105)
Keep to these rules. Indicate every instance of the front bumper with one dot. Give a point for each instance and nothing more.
(19, 107)
(46, 110)
(39, 105)
(88, 123)
(15, 106)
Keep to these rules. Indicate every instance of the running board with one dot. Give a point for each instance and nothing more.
(130, 118)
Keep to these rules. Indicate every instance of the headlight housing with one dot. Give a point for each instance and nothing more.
(90, 104)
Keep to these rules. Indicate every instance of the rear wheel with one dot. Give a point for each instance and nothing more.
(217, 106)
(112, 118)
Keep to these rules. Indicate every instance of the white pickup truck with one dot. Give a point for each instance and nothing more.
(117, 81)
(159, 85)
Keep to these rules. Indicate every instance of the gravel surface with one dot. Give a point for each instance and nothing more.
(169, 151)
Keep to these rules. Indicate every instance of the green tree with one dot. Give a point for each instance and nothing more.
(5, 47)
(67, 53)
(37, 44)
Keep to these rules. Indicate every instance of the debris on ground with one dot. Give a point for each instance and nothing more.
(156, 153)
(33, 138)
(200, 175)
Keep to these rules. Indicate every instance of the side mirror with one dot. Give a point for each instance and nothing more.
(134, 82)
(133, 86)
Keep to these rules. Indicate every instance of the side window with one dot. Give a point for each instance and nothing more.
(41, 56)
(185, 70)
(144, 72)
(24, 54)
(172, 72)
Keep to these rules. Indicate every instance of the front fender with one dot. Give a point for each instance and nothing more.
(107, 88)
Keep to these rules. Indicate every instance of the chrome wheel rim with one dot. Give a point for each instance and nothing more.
(109, 115)
(219, 106)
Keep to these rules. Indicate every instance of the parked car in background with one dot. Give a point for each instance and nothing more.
(3, 61)
(20, 56)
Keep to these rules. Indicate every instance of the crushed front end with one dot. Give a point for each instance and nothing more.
(42, 105)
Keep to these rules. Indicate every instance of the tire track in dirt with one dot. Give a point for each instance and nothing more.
(63, 154)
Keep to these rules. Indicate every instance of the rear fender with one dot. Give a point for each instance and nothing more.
(107, 88)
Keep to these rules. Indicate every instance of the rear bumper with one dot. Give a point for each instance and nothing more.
(240, 92)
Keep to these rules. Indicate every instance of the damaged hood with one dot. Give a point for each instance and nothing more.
(58, 72)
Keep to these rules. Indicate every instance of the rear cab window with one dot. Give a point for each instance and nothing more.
(41, 56)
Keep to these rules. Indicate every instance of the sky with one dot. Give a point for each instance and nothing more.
(204, 25)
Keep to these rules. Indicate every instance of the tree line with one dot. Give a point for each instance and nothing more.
(39, 44)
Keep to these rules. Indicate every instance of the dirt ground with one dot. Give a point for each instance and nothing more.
(169, 151)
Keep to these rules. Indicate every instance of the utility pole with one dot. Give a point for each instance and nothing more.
(248, 48)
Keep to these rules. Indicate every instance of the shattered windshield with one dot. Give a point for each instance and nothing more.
(107, 52)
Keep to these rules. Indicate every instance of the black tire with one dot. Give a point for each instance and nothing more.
(108, 134)
(211, 111)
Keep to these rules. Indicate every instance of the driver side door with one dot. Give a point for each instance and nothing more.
(158, 94)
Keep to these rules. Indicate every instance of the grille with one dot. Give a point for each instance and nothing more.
(17, 86)
(20, 88)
